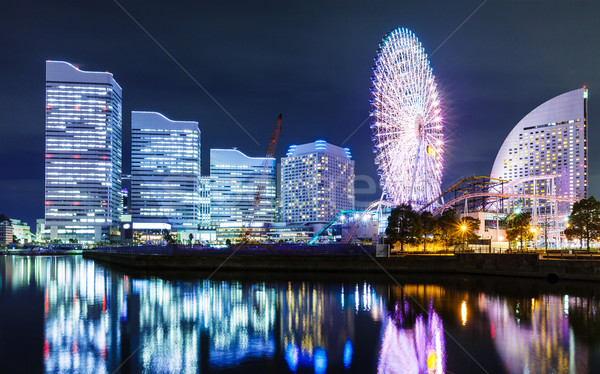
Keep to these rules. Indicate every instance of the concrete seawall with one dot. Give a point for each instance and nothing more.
(515, 265)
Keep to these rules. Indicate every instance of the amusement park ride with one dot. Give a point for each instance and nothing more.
(468, 196)
(408, 142)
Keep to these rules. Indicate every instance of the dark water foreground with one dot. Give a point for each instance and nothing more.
(68, 314)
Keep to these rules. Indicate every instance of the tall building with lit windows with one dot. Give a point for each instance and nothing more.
(165, 172)
(317, 182)
(83, 153)
(546, 154)
(204, 198)
(235, 179)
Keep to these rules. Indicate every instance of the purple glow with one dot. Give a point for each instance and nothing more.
(421, 349)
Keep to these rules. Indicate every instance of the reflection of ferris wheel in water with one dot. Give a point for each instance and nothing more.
(406, 121)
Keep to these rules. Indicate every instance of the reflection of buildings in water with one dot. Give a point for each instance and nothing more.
(544, 343)
(77, 327)
(235, 321)
(95, 319)
(411, 343)
(317, 322)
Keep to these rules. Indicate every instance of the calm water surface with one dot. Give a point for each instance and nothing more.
(70, 315)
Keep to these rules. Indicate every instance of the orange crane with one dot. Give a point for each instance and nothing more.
(262, 181)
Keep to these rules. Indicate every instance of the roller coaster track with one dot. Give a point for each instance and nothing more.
(501, 195)
(500, 190)
(504, 185)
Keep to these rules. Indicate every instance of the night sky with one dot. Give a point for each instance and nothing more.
(310, 61)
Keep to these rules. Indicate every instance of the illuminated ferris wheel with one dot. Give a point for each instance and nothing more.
(406, 121)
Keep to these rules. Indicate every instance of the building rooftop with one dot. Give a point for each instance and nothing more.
(318, 146)
(62, 71)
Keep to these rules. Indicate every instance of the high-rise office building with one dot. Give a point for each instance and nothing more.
(83, 153)
(125, 197)
(165, 172)
(235, 179)
(204, 198)
(546, 154)
(317, 182)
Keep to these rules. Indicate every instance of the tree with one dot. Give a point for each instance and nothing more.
(572, 232)
(136, 237)
(517, 227)
(16, 240)
(168, 237)
(403, 226)
(467, 227)
(191, 238)
(447, 224)
(426, 227)
(585, 220)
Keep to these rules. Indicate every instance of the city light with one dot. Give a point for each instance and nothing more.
(317, 182)
(77, 173)
(406, 121)
(165, 170)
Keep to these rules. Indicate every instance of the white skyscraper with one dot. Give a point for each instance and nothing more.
(317, 182)
(165, 172)
(235, 178)
(83, 153)
(547, 152)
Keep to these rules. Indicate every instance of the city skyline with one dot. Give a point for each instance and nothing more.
(290, 187)
(479, 87)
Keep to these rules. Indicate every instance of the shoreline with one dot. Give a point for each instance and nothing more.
(58, 252)
(508, 265)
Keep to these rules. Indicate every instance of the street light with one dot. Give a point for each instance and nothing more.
(464, 230)
(534, 231)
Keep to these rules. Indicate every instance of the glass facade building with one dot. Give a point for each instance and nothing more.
(235, 179)
(165, 171)
(550, 141)
(83, 157)
(204, 196)
(317, 182)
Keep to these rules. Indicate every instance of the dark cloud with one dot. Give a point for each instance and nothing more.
(309, 60)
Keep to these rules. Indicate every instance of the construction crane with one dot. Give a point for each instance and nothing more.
(263, 180)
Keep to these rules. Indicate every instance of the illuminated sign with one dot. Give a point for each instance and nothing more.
(431, 151)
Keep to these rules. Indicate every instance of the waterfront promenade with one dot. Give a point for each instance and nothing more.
(348, 259)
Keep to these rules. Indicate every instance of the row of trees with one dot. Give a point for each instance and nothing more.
(408, 227)
(584, 224)
(411, 228)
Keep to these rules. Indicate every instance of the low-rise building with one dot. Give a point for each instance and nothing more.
(21, 231)
(6, 231)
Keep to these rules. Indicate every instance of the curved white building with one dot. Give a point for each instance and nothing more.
(549, 141)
